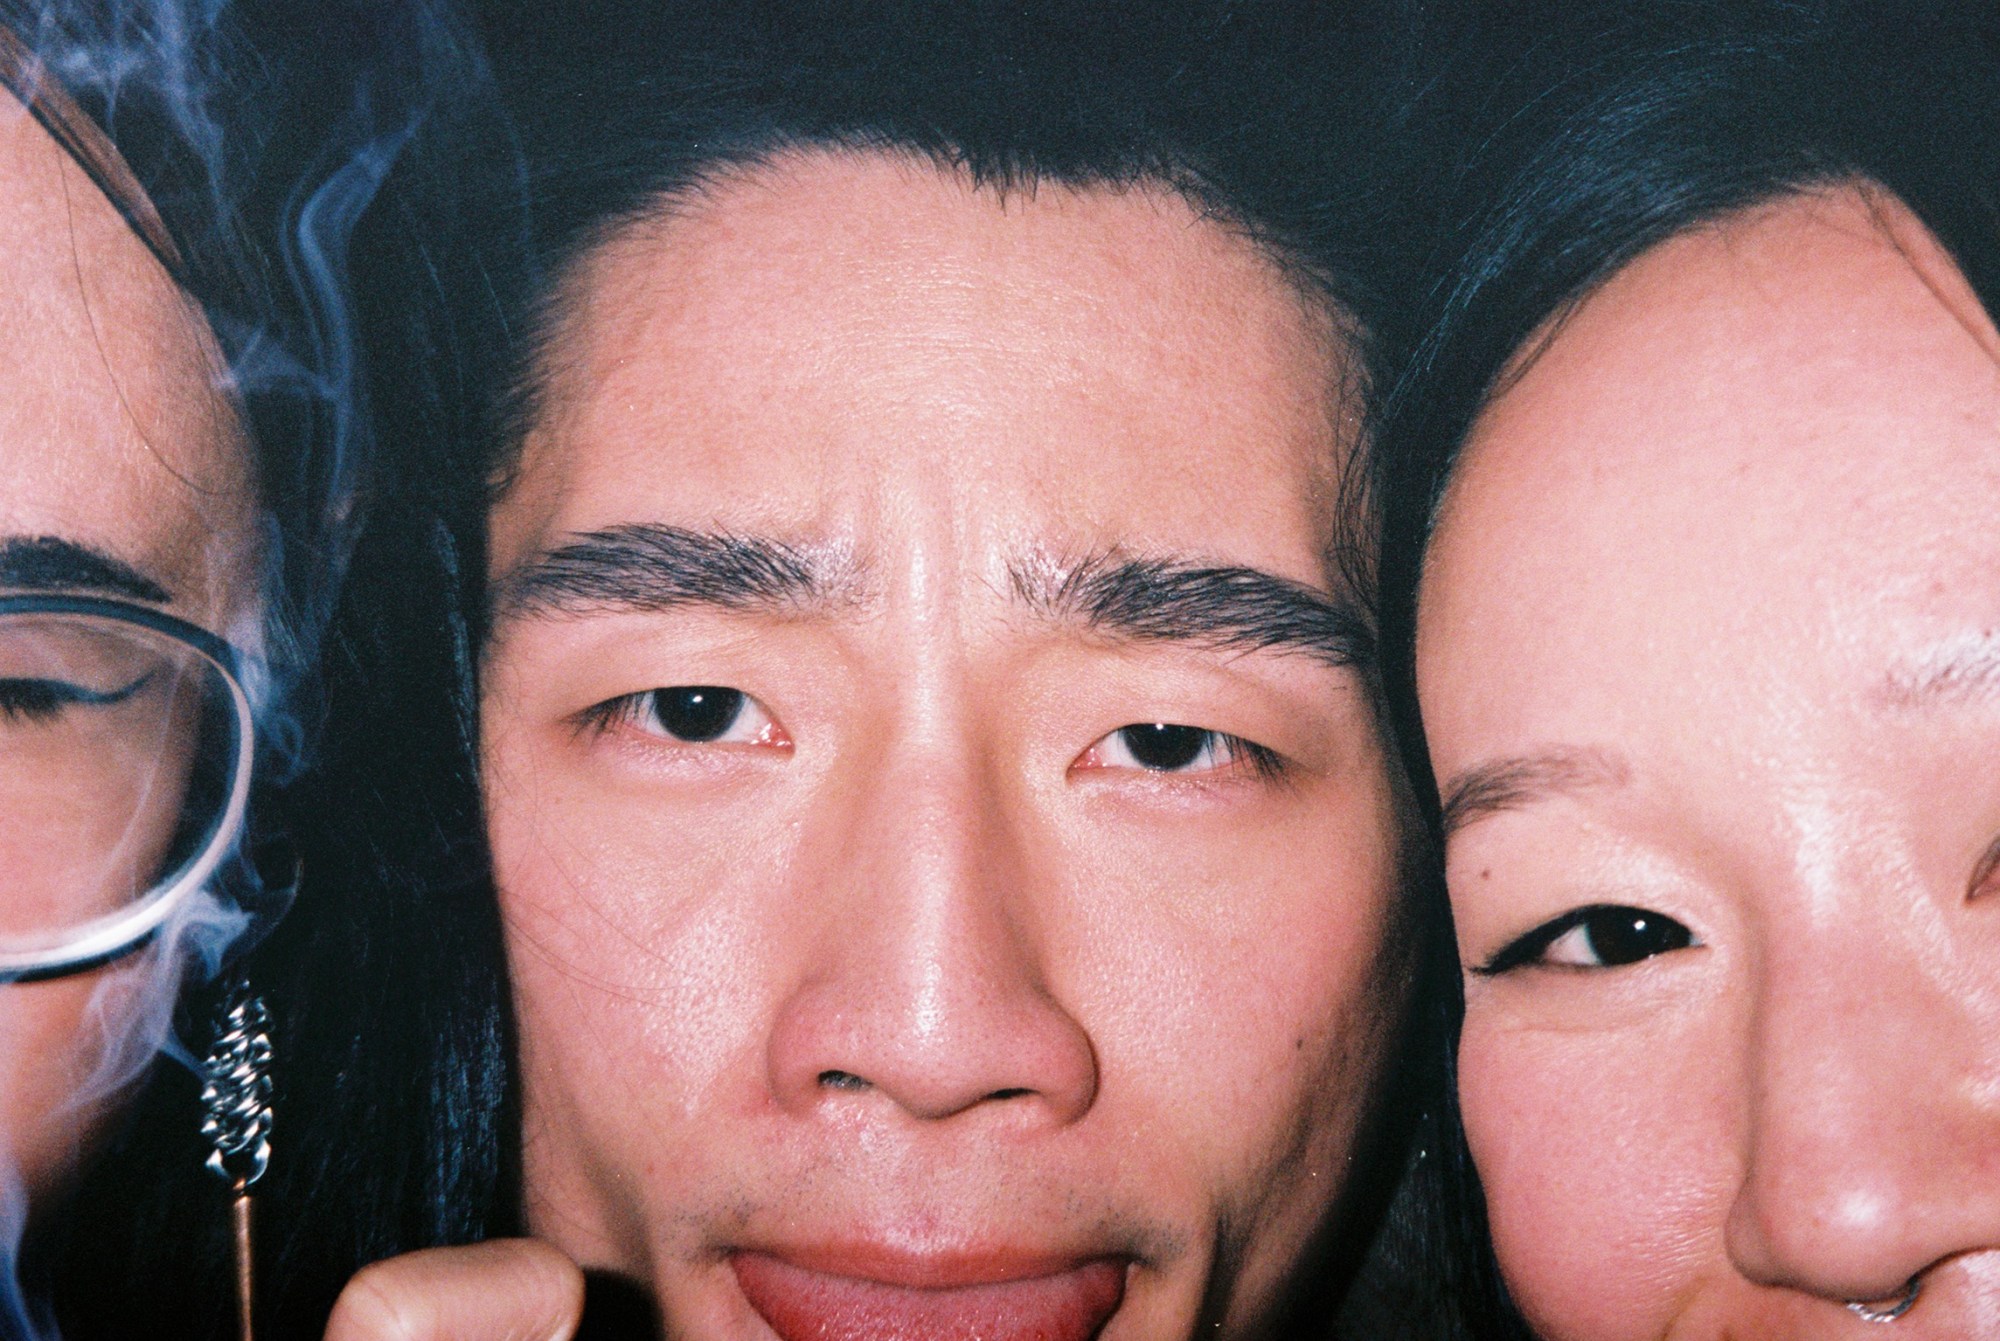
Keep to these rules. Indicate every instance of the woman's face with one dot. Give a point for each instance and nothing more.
(125, 476)
(1709, 660)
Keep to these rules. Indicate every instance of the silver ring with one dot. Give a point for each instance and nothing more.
(1895, 1310)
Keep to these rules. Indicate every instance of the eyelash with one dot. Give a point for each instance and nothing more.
(1268, 764)
(1528, 951)
(634, 709)
(38, 700)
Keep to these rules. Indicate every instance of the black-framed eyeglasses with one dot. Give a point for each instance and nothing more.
(126, 743)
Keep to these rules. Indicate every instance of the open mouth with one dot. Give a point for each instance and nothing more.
(993, 1300)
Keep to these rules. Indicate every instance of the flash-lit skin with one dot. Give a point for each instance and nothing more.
(95, 793)
(1093, 1010)
(1733, 529)
(115, 434)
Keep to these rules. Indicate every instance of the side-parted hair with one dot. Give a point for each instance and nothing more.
(287, 164)
(1646, 121)
(1620, 126)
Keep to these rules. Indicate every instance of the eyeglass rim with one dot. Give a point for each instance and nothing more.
(106, 938)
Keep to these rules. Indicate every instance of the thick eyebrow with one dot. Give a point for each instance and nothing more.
(49, 563)
(1166, 600)
(1509, 784)
(654, 567)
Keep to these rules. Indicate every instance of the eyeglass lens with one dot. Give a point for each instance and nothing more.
(117, 751)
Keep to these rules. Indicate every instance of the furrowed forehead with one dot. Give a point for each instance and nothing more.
(1107, 369)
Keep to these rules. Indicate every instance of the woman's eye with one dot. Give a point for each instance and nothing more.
(1600, 936)
(33, 700)
(40, 700)
(694, 714)
(1166, 747)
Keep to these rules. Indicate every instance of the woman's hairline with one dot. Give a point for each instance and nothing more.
(1874, 193)
(90, 147)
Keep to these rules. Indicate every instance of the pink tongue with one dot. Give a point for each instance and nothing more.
(806, 1305)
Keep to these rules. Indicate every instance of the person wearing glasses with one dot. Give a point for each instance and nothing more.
(152, 628)
(129, 561)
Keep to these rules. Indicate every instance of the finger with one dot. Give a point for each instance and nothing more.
(505, 1290)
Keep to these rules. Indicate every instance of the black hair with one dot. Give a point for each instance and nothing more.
(299, 172)
(1685, 114)
(1277, 119)
(1257, 114)
(1615, 127)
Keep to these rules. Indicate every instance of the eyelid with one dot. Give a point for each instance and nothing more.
(1527, 948)
(57, 694)
(1983, 871)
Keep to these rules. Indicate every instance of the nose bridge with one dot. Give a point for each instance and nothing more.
(932, 818)
(927, 989)
(1871, 1147)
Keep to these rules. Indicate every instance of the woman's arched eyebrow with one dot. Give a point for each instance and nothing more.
(1523, 780)
(50, 563)
(1957, 670)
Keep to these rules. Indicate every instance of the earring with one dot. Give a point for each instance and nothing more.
(236, 1119)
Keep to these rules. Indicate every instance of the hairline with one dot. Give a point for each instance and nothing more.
(524, 393)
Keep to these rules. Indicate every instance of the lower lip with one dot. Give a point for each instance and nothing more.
(805, 1305)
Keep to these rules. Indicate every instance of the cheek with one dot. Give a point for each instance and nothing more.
(637, 938)
(45, 1059)
(1607, 1168)
(1240, 1003)
(1249, 973)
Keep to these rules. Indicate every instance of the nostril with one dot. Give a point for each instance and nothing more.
(1018, 1092)
(841, 1080)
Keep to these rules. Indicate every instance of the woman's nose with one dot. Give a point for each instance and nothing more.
(929, 987)
(1873, 1141)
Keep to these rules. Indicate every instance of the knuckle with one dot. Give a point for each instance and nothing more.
(371, 1308)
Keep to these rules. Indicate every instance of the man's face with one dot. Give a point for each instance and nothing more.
(946, 848)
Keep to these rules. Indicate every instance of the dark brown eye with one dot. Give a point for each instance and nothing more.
(1164, 747)
(1170, 747)
(694, 713)
(1603, 935)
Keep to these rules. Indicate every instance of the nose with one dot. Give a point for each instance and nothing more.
(1873, 1148)
(927, 987)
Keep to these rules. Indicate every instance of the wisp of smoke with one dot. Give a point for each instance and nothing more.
(177, 71)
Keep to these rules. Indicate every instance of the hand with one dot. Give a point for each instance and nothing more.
(504, 1290)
